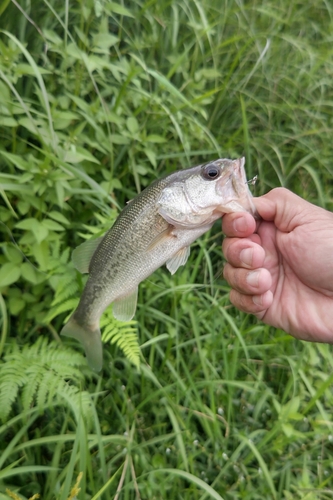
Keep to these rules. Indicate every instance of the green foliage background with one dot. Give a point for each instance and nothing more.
(97, 99)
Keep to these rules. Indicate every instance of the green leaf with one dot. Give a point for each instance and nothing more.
(23, 207)
(40, 232)
(151, 156)
(207, 73)
(52, 36)
(73, 50)
(29, 273)
(287, 429)
(59, 217)
(15, 187)
(41, 254)
(52, 225)
(27, 224)
(290, 431)
(155, 138)
(118, 9)
(132, 124)
(26, 69)
(164, 82)
(16, 304)
(60, 191)
(105, 40)
(98, 8)
(209, 492)
(13, 253)
(9, 273)
(16, 160)
(38, 229)
(8, 121)
(119, 139)
(79, 155)
(290, 409)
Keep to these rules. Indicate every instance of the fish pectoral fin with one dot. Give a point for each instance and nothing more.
(82, 254)
(124, 309)
(162, 237)
(178, 260)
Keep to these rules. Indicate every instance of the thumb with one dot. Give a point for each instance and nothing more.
(284, 208)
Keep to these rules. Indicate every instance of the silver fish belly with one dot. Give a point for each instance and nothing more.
(157, 227)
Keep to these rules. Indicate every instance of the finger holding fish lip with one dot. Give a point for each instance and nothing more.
(240, 225)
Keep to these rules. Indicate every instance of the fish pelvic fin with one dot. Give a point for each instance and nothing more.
(90, 339)
(179, 259)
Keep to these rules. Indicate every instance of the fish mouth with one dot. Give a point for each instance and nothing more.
(238, 174)
(234, 185)
(240, 169)
(233, 182)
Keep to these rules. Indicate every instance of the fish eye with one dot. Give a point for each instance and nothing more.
(210, 172)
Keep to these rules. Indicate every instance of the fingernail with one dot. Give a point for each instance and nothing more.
(240, 225)
(246, 256)
(253, 278)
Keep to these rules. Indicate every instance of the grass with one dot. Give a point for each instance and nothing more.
(97, 99)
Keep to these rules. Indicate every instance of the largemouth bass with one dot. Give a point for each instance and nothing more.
(157, 227)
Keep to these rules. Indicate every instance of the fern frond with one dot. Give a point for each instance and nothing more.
(12, 378)
(65, 285)
(64, 257)
(80, 402)
(67, 306)
(55, 250)
(44, 373)
(31, 387)
(68, 289)
(123, 334)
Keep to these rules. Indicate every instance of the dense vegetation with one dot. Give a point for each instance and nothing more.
(196, 400)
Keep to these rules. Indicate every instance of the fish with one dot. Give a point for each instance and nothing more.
(157, 227)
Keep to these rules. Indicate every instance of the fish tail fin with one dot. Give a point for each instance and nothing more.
(90, 339)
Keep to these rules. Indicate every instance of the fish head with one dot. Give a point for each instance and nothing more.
(200, 195)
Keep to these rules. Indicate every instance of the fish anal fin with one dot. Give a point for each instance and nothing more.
(82, 254)
(179, 259)
(162, 237)
(124, 308)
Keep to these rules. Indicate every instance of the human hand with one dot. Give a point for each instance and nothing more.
(282, 270)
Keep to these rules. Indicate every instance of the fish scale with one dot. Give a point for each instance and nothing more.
(155, 228)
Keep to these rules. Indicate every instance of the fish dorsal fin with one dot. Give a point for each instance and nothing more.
(124, 308)
(178, 260)
(82, 254)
